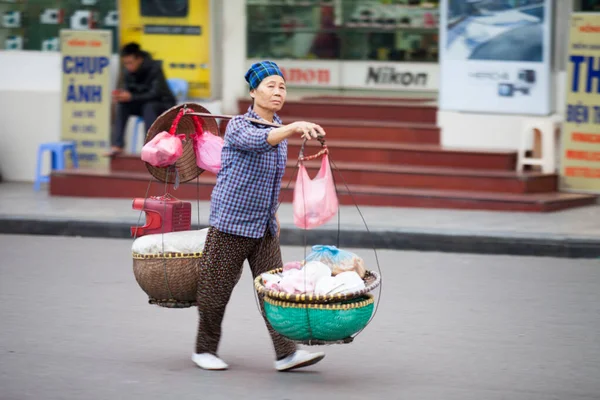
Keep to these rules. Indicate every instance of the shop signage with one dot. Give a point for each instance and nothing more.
(305, 73)
(580, 150)
(390, 76)
(359, 74)
(85, 95)
(177, 32)
(307, 76)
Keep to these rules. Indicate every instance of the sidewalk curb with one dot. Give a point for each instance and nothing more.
(492, 244)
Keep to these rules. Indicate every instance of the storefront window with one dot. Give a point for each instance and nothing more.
(384, 30)
(36, 24)
(587, 5)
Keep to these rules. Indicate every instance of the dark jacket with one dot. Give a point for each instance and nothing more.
(148, 83)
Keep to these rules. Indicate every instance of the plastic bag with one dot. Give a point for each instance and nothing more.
(315, 201)
(343, 283)
(300, 281)
(164, 149)
(292, 265)
(172, 242)
(337, 260)
(208, 152)
(297, 281)
(208, 148)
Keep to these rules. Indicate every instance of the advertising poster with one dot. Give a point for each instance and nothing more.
(85, 94)
(580, 150)
(177, 32)
(495, 56)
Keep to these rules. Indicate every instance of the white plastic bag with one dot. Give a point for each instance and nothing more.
(174, 242)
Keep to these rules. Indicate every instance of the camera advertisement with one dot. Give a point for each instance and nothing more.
(580, 150)
(177, 32)
(495, 56)
(85, 94)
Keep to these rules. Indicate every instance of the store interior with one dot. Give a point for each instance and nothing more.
(385, 30)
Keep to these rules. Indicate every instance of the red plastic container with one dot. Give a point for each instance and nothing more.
(163, 214)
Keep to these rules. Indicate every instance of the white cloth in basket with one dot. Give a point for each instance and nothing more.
(174, 242)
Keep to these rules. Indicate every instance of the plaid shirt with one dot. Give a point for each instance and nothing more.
(245, 197)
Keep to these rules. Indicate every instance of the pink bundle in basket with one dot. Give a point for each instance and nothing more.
(208, 148)
(165, 148)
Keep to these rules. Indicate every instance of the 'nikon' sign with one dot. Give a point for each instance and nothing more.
(390, 76)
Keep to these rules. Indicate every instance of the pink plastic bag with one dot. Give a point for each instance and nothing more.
(165, 148)
(315, 201)
(208, 148)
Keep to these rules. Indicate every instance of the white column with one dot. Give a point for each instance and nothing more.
(233, 51)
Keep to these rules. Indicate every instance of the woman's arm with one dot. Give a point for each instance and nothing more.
(244, 135)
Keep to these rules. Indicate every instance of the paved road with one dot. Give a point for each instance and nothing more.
(75, 325)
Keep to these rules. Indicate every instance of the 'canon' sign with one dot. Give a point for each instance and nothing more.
(307, 75)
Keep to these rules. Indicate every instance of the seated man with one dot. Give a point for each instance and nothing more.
(144, 92)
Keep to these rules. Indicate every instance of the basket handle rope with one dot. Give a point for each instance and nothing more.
(176, 120)
(324, 150)
(197, 121)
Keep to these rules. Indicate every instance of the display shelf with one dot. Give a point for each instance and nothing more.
(344, 30)
(41, 23)
(293, 3)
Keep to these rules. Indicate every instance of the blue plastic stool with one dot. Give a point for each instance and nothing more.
(134, 138)
(57, 151)
(179, 87)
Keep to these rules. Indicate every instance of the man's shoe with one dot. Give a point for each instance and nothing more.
(114, 151)
(299, 359)
(209, 361)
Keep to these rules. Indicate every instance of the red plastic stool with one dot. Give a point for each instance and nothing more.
(163, 214)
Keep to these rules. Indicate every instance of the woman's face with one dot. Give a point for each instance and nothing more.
(270, 94)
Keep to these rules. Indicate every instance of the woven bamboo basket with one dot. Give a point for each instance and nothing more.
(316, 324)
(372, 280)
(170, 280)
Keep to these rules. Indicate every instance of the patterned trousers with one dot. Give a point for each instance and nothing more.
(221, 267)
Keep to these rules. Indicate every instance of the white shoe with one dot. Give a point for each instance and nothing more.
(209, 361)
(299, 359)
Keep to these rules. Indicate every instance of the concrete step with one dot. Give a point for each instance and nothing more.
(94, 183)
(355, 110)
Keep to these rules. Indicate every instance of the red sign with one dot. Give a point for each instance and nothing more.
(307, 75)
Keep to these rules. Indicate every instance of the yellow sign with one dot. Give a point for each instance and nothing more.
(85, 102)
(177, 32)
(580, 151)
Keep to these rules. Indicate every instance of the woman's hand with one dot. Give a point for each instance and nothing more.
(308, 130)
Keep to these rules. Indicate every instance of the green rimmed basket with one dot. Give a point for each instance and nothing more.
(372, 280)
(316, 324)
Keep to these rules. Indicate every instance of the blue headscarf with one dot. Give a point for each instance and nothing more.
(260, 71)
